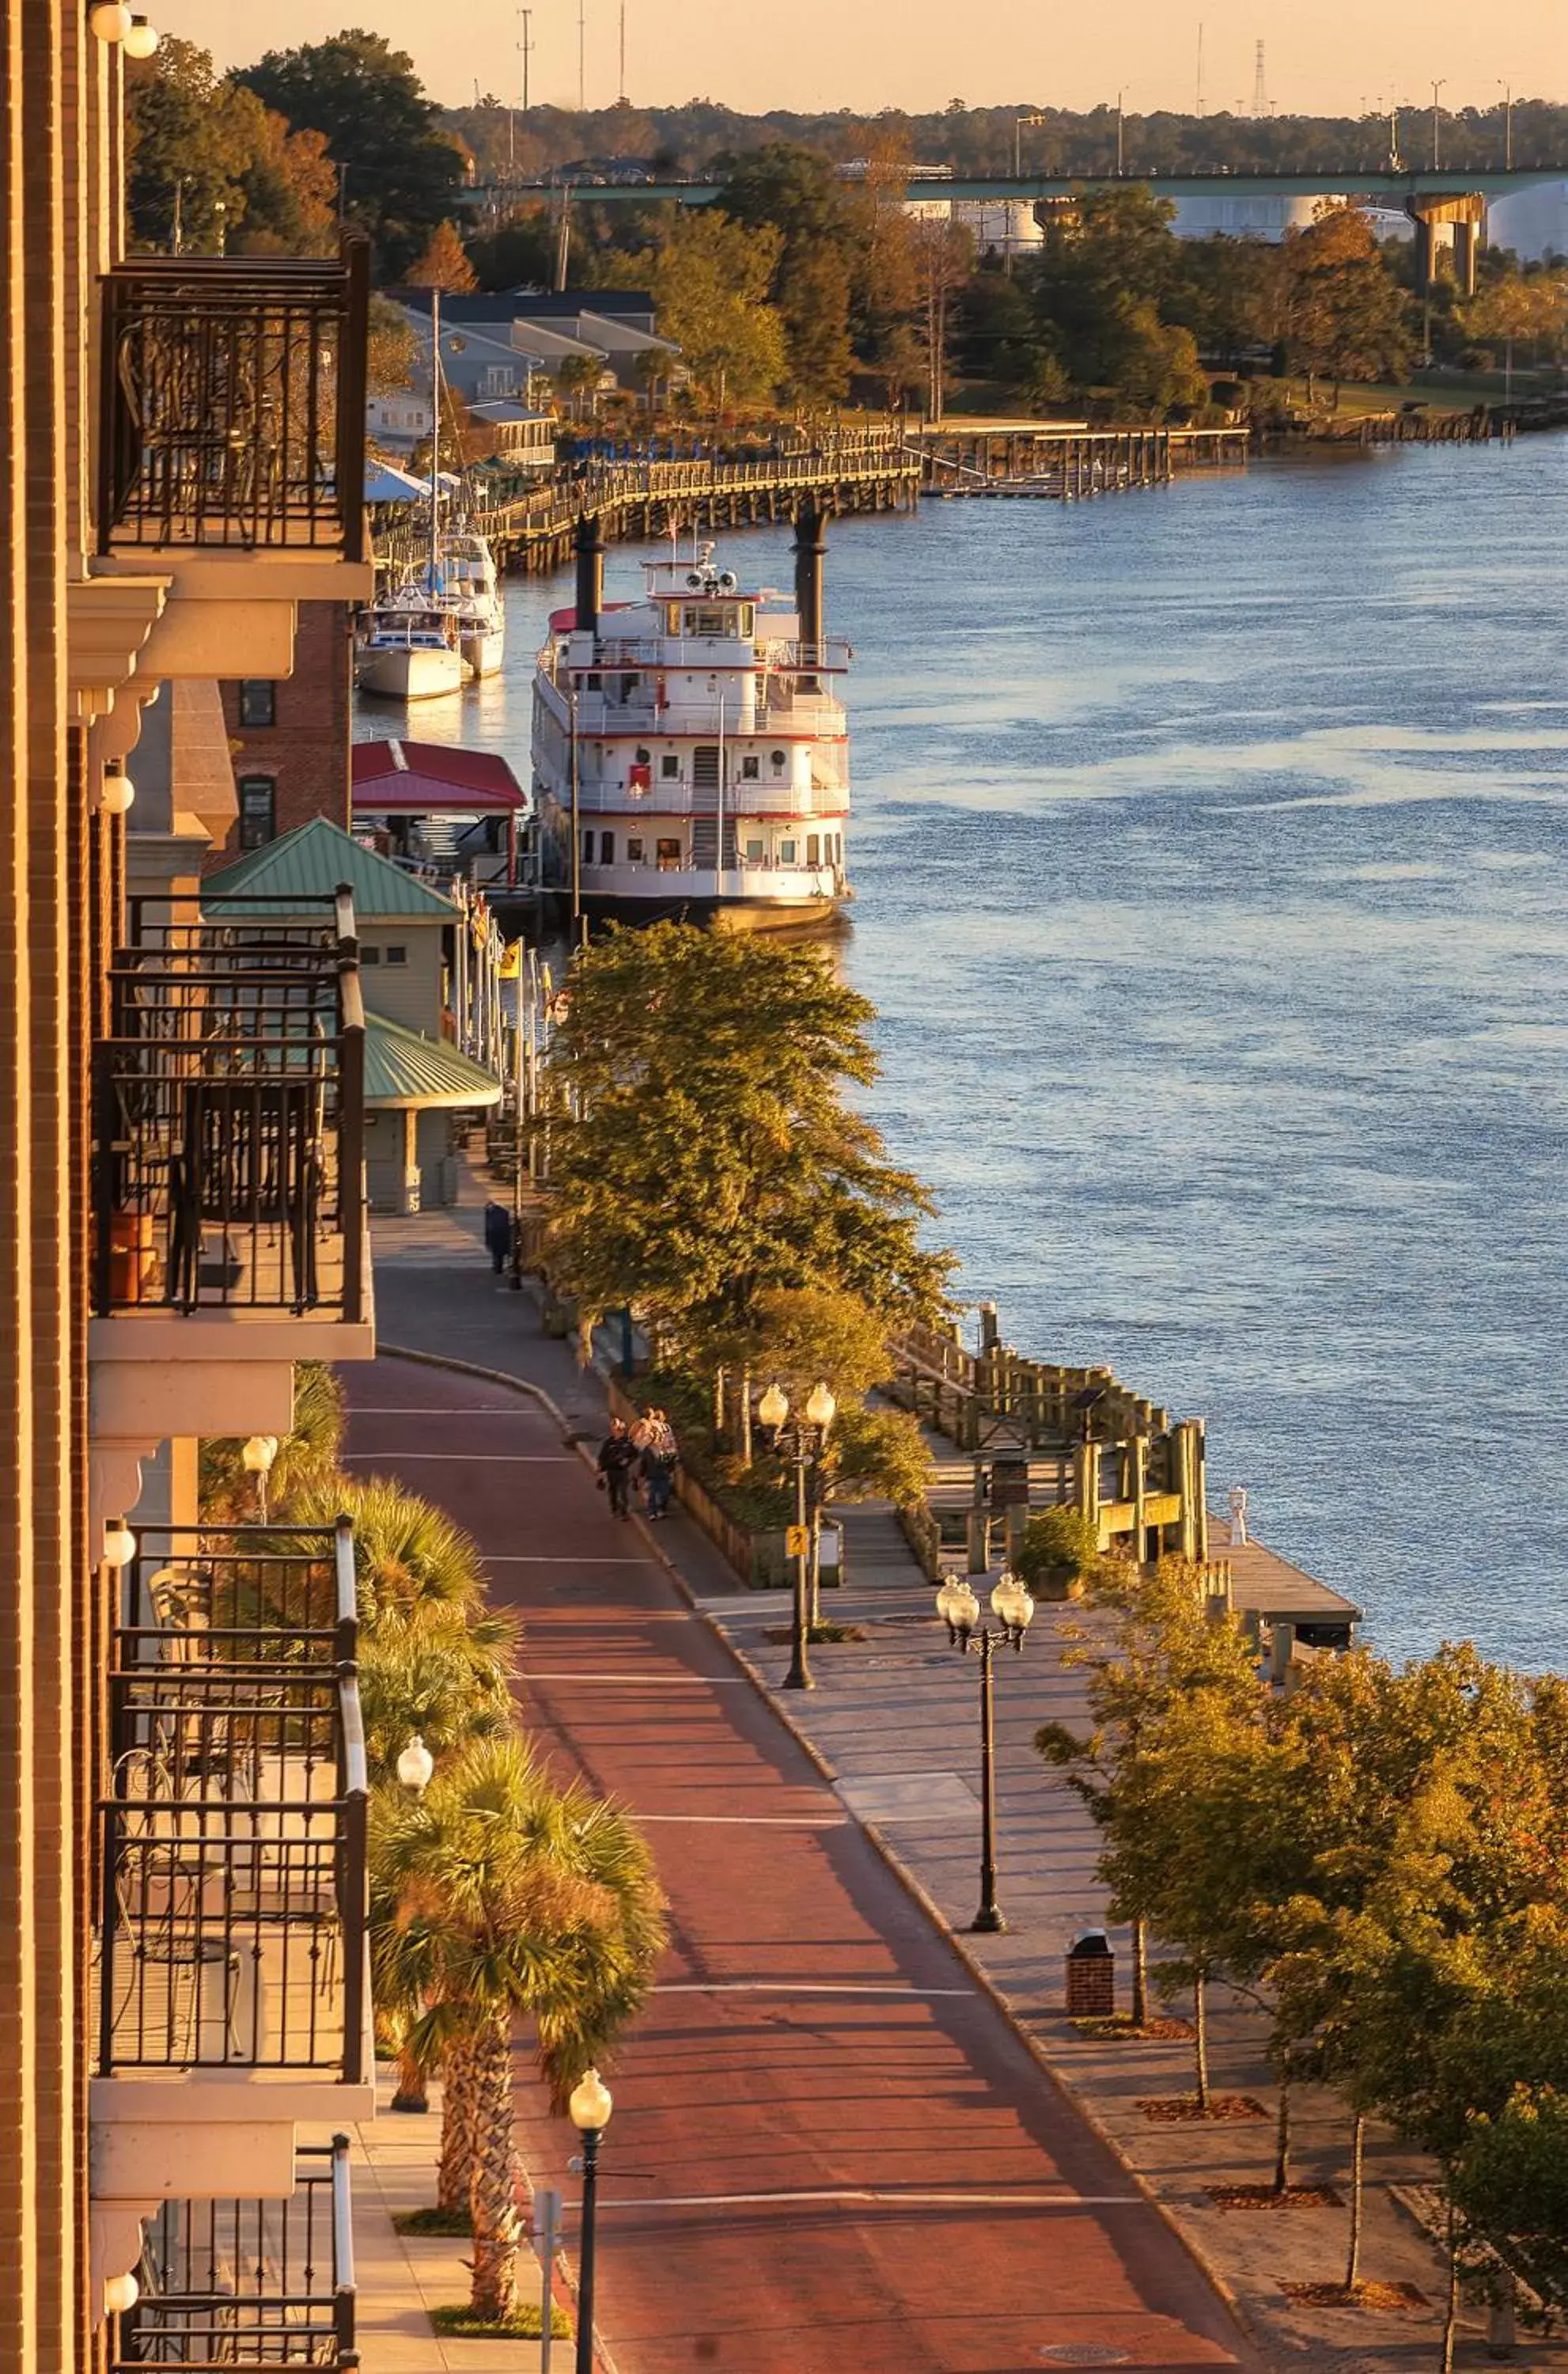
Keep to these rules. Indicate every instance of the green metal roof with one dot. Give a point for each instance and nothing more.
(312, 862)
(402, 1069)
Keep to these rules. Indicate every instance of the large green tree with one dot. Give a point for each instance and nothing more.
(713, 1158)
(801, 197)
(1344, 315)
(401, 172)
(711, 280)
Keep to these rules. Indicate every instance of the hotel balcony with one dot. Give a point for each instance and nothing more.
(230, 457)
(228, 1196)
(231, 1952)
(248, 2283)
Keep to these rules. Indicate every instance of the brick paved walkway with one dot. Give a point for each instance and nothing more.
(830, 2149)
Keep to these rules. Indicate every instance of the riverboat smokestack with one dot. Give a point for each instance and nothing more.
(589, 574)
(811, 544)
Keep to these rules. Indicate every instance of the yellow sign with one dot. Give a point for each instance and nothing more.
(796, 1541)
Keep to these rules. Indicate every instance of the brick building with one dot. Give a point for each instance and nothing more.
(179, 1998)
(289, 736)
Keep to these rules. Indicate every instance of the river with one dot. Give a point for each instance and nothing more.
(1211, 873)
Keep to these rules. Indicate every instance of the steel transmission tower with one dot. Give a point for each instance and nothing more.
(1259, 87)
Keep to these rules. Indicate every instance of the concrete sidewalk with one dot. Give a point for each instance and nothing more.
(895, 1722)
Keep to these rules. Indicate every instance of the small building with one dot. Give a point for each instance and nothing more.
(429, 1006)
(289, 736)
(524, 440)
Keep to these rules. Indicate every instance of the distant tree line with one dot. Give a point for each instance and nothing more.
(702, 137)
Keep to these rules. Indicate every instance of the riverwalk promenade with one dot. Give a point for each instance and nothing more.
(847, 2132)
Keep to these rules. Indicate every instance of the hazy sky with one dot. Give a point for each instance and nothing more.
(1328, 56)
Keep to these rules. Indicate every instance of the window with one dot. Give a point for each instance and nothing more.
(397, 955)
(669, 857)
(629, 686)
(607, 849)
(258, 811)
(751, 770)
(778, 762)
(670, 767)
(754, 853)
(257, 701)
(640, 758)
(787, 852)
(588, 849)
(369, 956)
(593, 681)
(633, 850)
(814, 849)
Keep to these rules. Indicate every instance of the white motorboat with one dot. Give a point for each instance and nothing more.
(469, 583)
(411, 652)
(691, 755)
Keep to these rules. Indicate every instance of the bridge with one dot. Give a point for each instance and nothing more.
(1406, 188)
(1457, 196)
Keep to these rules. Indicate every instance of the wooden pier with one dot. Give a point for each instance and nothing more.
(872, 471)
(1065, 461)
(1008, 1436)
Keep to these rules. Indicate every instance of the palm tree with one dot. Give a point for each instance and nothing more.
(498, 1895)
(307, 1456)
(405, 1551)
(437, 1670)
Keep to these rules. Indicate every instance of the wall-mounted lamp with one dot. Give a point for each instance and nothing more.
(117, 791)
(110, 19)
(119, 1544)
(141, 39)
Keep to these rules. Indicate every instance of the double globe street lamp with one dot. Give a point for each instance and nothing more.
(803, 1441)
(959, 1609)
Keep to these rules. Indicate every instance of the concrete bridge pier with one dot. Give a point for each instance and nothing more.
(1466, 210)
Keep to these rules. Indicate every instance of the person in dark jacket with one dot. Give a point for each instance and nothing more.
(498, 1235)
(618, 1455)
(659, 1456)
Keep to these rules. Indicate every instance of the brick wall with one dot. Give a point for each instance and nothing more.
(301, 760)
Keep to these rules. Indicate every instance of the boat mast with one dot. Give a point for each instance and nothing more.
(434, 429)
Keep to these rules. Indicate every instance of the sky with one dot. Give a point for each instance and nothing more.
(1333, 57)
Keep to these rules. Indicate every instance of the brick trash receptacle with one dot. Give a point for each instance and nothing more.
(1091, 1977)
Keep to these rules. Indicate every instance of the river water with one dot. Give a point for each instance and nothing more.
(1211, 863)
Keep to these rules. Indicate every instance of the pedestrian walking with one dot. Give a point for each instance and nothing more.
(618, 1455)
(498, 1235)
(659, 1455)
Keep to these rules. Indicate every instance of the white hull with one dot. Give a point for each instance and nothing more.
(484, 648)
(405, 675)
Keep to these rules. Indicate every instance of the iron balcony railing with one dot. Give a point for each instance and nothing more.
(232, 1904)
(229, 1129)
(233, 405)
(226, 2283)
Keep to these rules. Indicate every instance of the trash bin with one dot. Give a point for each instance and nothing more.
(1091, 1977)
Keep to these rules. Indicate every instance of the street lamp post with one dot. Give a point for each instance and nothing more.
(1436, 121)
(959, 1611)
(1507, 90)
(1019, 123)
(1120, 133)
(803, 1443)
(590, 2108)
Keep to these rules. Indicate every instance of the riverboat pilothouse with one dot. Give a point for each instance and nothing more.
(691, 754)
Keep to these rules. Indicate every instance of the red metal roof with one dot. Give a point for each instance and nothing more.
(424, 778)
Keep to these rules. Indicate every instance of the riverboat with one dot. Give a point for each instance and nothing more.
(691, 751)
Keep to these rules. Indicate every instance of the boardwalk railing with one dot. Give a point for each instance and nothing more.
(1077, 1433)
(543, 519)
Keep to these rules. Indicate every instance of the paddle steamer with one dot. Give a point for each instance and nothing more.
(691, 751)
